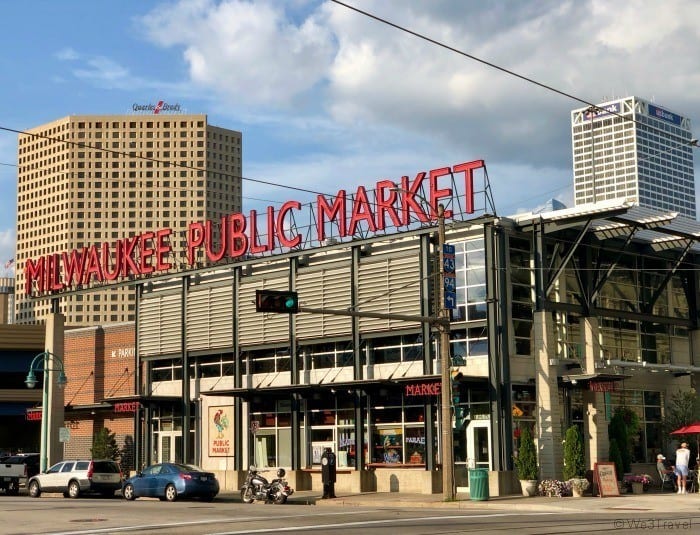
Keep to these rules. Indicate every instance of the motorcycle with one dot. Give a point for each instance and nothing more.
(257, 488)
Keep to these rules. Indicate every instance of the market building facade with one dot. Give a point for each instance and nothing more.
(561, 317)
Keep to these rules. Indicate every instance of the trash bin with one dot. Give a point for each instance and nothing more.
(479, 484)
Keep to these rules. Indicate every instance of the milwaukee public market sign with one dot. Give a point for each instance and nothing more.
(236, 236)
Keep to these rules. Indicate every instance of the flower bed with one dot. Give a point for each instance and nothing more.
(554, 488)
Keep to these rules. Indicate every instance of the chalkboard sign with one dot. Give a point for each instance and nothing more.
(606, 479)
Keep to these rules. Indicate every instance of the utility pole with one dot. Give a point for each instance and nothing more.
(447, 450)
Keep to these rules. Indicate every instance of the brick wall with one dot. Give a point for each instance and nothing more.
(100, 364)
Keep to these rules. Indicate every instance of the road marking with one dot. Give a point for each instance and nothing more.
(375, 522)
(223, 520)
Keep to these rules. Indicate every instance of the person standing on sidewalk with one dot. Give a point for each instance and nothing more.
(682, 462)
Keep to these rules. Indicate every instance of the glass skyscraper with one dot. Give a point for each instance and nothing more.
(633, 150)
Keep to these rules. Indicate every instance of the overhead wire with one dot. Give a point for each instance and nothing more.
(509, 72)
(691, 142)
(166, 163)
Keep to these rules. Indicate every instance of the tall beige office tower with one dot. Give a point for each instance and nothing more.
(93, 179)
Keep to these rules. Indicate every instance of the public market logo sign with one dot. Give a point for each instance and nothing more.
(389, 206)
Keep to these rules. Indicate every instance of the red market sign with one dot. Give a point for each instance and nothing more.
(390, 205)
(33, 415)
(423, 389)
(127, 407)
(602, 386)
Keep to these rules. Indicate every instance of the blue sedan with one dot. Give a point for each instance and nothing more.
(168, 481)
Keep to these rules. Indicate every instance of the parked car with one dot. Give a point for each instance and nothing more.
(169, 481)
(16, 469)
(77, 477)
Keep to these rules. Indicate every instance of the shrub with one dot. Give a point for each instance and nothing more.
(574, 457)
(616, 457)
(104, 445)
(623, 426)
(526, 461)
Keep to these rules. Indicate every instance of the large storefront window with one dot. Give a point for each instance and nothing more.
(647, 405)
(272, 438)
(524, 412)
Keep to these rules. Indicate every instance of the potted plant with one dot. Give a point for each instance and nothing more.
(638, 482)
(526, 463)
(575, 462)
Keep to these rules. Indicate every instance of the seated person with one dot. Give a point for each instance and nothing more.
(663, 466)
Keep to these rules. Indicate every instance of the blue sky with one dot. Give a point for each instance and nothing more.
(327, 98)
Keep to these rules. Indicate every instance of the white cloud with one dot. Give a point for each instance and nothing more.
(324, 59)
(67, 54)
(249, 53)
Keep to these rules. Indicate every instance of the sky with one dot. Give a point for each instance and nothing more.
(328, 98)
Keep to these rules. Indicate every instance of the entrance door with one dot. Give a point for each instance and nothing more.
(479, 444)
(169, 446)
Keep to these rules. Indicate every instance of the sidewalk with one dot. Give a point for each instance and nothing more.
(652, 502)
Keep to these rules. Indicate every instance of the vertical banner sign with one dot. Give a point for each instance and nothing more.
(448, 278)
(220, 432)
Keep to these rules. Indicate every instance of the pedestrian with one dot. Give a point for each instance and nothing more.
(682, 462)
(328, 473)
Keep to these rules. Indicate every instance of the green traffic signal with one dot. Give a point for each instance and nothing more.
(276, 301)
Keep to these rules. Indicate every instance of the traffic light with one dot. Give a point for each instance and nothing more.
(455, 377)
(276, 301)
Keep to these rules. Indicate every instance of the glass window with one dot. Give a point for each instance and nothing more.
(415, 445)
(387, 445)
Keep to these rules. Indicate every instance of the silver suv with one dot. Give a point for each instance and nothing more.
(77, 477)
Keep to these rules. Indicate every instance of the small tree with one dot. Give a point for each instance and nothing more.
(616, 457)
(526, 461)
(574, 457)
(104, 445)
(618, 430)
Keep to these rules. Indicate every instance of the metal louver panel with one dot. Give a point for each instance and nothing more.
(389, 285)
(210, 317)
(328, 287)
(160, 325)
(258, 327)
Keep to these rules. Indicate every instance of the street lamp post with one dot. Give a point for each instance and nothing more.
(44, 362)
(446, 442)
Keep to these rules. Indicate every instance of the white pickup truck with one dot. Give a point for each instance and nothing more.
(16, 470)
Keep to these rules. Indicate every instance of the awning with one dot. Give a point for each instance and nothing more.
(588, 378)
(14, 409)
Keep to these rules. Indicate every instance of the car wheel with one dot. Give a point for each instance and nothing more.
(34, 489)
(73, 489)
(209, 497)
(129, 493)
(170, 493)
